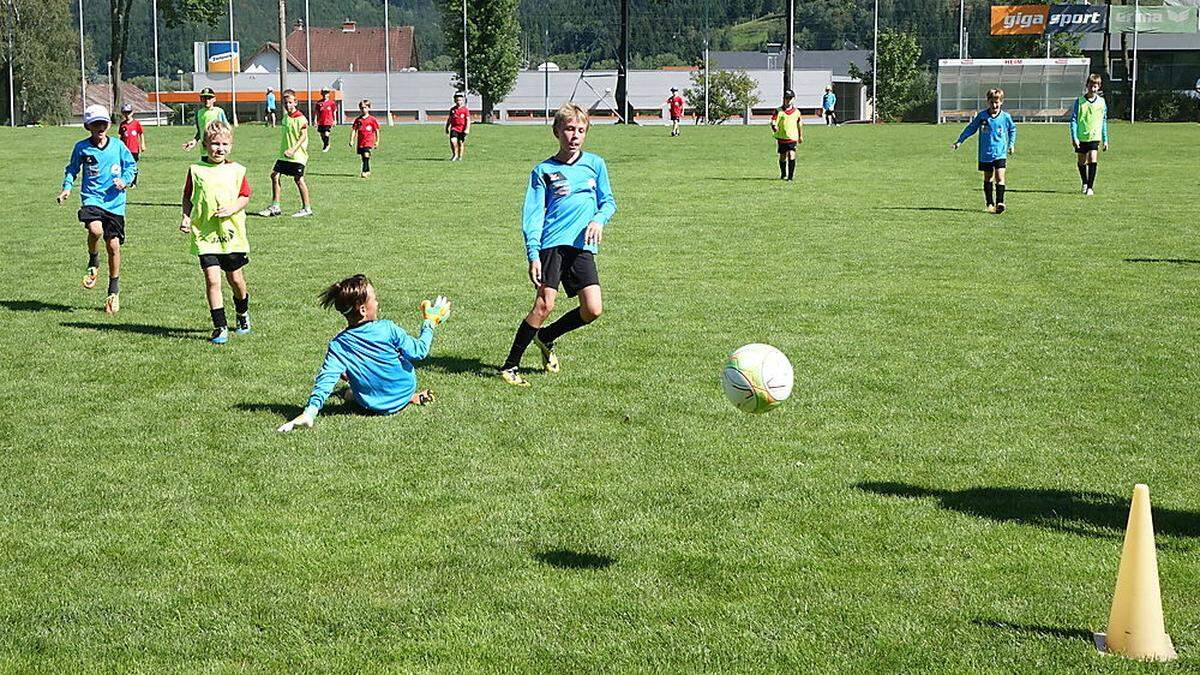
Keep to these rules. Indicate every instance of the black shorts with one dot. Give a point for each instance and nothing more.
(459, 135)
(786, 146)
(324, 128)
(365, 151)
(294, 169)
(573, 267)
(1088, 146)
(994, 164)
(114, 225)
(676, 118)
(229, 262)
(136, 156)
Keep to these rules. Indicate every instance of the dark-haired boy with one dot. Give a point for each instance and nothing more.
(326, 116)
(364, 136)
(789, 132)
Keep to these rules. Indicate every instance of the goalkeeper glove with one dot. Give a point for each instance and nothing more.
(304, 419)
(437, 311)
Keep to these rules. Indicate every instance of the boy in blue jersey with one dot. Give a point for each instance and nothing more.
(997, 140)
(373, 355)
(567, 204)
(828, 101)
(108, 168)
(1089, 132)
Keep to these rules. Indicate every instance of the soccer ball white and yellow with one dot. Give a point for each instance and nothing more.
(757, 378)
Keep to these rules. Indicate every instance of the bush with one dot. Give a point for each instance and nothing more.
(1167, 106)
(730, 93)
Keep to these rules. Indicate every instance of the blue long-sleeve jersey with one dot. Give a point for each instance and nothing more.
(997, 135)
(376, 358)
(828, 100)
(101, 166)
(562, 199)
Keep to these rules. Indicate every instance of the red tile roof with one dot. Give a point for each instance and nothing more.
(360, 50)
(101, 94)
(293, 62)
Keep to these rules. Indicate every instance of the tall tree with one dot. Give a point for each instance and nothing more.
(903, 82)
(45, 71)
(175, 11)
(493, 50)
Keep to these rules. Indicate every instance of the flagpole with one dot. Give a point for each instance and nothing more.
(307, 60)
(82, 71)
(234, 67)
(1133, 90)
(875, 68)
(157, 88)
(466, 87)
(387, 60)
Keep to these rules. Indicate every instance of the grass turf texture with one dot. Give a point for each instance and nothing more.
(946, 489)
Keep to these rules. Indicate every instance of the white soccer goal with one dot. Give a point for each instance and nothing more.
(1035, 90)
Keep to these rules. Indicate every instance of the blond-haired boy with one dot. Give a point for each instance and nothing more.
(997, 139)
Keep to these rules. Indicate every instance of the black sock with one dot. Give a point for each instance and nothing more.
(94, 259)
(999, 193)
(987, 192)
(114, 285)
(1091, 174)
(565, 324)
(218, 317)
(324, 142)
(1083, 173)
(791, 168)
(783, 167)
(366, 162)
(241, 305)
(521, 341)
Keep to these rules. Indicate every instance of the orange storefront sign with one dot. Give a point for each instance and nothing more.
(1019, 19)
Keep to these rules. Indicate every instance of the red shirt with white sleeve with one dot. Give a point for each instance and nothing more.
(131, 135)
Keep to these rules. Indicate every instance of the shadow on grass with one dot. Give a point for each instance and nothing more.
(1043, 192)
(287, 411)
(34, 306)
(140, 329)
(928, 208)
(1092, 514)
(1169, 261)
(743, 178)
(1047, 631)
(565, 559)
(174, 205)
(458, 365)
(331, 175)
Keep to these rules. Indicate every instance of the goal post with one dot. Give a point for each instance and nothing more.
(1035, 90)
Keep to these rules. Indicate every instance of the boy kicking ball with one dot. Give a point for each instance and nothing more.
(373, 355)
(364, 136)
(108, 169)
(293, 156)
(215, 196)
(1089, 132)
(567, 204)
(997, 139)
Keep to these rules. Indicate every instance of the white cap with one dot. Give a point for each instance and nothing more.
(95, 113)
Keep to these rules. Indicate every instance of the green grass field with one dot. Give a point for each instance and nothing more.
(946, 490)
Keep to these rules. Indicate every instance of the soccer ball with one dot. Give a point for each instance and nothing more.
(757, 378)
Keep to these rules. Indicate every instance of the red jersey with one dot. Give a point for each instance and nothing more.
(367, 128)
(130, 134)
(676, 103)
(459, 117)
(327, 113)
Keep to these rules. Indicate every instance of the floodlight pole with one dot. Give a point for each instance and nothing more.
(875, 68)
(1133, 88)
(12, 99)
(623, 65)
(234, 67)
(282, 48)
(466, 85)
(82, 71)
(706, 80)
(387, 61)
(789, 46)
(962, 26)
(546, 74)
(307, 62)
(157, 87)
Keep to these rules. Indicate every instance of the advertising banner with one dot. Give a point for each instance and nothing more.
(1153, 19)
(1019, 19)
(223, 57)
(1077, 19)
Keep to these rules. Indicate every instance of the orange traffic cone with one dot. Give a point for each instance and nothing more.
(1135, 623)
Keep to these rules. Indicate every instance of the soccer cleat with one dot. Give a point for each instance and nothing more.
(271, 211)
(243, 324)
(219, 336)
(423, 397)
(1089, 192)
(303, 213)
(990, 209)
(511, 376)
(112, 304)
(549, 358)
(1083, 189)
(1000, 207)
(89, 279)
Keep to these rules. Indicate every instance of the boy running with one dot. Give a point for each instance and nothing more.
(458, 125)
(270, 107)
(364, 136)
(326, 116)
(131, 134)
(789, 133)
(293, 156)
(828, 101)
(675, 103)
(215, 195)
(373, 355)
(997, 139)
(1089, 131)
(108, 168)
(205, 116)
(567, 204)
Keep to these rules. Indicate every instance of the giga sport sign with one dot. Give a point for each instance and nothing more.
(1019, 19)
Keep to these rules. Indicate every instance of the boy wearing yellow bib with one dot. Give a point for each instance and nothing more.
(293, 157)
(214, 213)
(1089, 132)
(788, 132)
